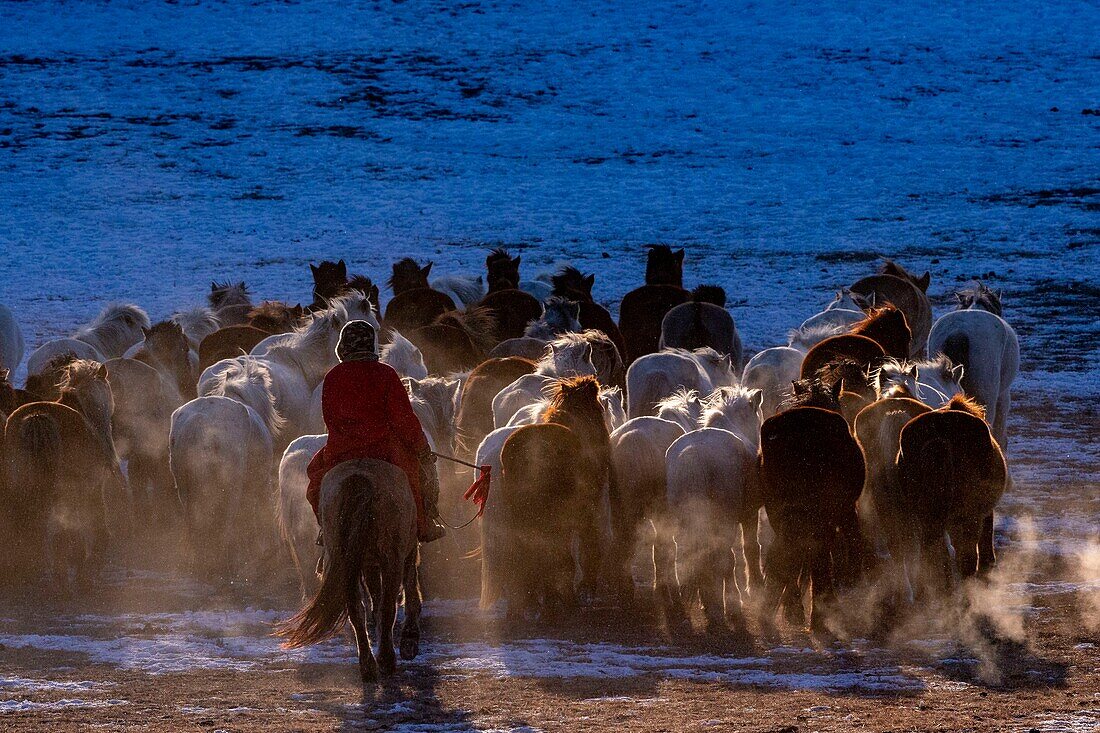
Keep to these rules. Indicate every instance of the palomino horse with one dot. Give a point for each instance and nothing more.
(369, 522)
(986, 346)
(951, 473)
(553, 475)
(812, 473)
(700, 324)
(109, 335)
(643, 309)
(11, 340)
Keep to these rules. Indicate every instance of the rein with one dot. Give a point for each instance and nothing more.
(478, 491)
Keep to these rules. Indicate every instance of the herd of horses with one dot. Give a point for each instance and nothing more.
(869, 449)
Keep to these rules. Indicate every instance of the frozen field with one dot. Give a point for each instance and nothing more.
(146, 149)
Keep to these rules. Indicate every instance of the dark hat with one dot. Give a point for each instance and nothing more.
(357, 342)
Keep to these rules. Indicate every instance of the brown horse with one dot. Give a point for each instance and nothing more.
(888, 327)
(571, 283)
(63, 473)
(896, 285)
(456, 341)
(140, 424)
(812, 474)
(45, 386)
(869, 343)
(329, 279)
(273, 316)
(228, 343)
(230, 302)
(502, 270)
(167, 350)
(553, 474)
(475, 413)
(513, 309)
(951, 473)
(524, 347)
(643, 309)
(408, 275)
(415, 308)
(369, 522)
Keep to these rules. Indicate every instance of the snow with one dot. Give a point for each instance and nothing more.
(23, 706)
(32, 685)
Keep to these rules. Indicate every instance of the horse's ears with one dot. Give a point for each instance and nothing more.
(426, 269)
(343, 269)
(241, 285)
(515, 260)
(589, 281)
(924, 280)
(680, 256)
(313, 269)
(101, 373)
(214, 285)
(756, 398)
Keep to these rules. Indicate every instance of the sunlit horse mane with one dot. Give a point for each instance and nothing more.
(249, 382)
(812, 393)
(724, 401)
(197, 322)
(576, 396)
(478, 322)
(117, 327)
(979, 297)
(809, 336)
(962, 403)
(76, 372)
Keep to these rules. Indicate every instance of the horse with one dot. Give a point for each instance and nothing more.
(408, 275)
(274, 316)
(605, 357)
(502, 270)
(107, 336)
(523, 347)
(64, 481)
(369, 522)
(711, 478)
(772, 371)
(297, 525)
(403, 356)
(684, 407)
(663, 266)
(571, 283)
(896, 285)
(812, 473)
(167, 350)
(197, 323)
(416, 308)
(653, 377)
(464, 290)
(230, 303)
(952, 473)
(698, 324)
(228, 342)
(559, 316)
(513, 310)
(980, 297)
(11, 340)
(329, 279)
(805, 337)
(568, 359)
(140, 421)
(882, 333)
(933, 381)
(475, 412)
(220, 454)
(553, 476)
(45, 386)
(456, 341)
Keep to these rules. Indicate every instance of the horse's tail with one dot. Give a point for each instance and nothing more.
(698, 335)
(937, 467)
(39, 437)
(324, 615)
(956, 347)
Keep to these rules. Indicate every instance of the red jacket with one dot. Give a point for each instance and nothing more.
(368, 415)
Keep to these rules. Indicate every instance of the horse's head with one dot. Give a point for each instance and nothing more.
(933, 382)
(435, 400)
(329, 279)
(562, 315)
(979, 297)
(713, 294)
(567, 357)
(663, 266)
(226, 294)
(85, 388)
(575, 398)
(719, 367)
(502, 270)
(737, 410)
(614, 407)
(813, 393)
(273, 316)
(889, 267)
(888, 327)
(683, 407)
(407, 275)
(847, 300)
(569, 282)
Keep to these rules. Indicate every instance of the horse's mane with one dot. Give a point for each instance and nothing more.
(557, 312)
(404, 267)
(702, 354)
(813, 335)
(224, 294)
(979, 293)
(962, 403)
(678, 399)
(78, 371)
(273, 309)
(199, 319)
(724, 397)
(844, 370)
(316, 332)
(712, 294)
(875, 318)
(579, 396)
(569, 281)
(114, 319)
(166, 327)
(811, 392)
(478, 322)
(497, 254)
(249, 382)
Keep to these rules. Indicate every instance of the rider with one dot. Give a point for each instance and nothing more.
(368, 415)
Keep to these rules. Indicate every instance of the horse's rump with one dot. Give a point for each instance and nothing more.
(513, 310)
(860, 349)
(228, 342)
(641, 314)
(416, 308)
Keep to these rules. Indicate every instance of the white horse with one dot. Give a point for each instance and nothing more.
(11, 341)
(559, 316)
(711, 475)
(465, 290)
(653, 377)
(988, 350)
(772, 371)
(107, 336)
(404, 357)
(247, 381)
(933, 381)
(297, 525)
(805, 338)
(197, 323)
(570, 358)
(221, 455)
(684, 407)
(435, 402)
(638, 503)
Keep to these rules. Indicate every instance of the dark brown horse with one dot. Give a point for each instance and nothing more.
(812, 474)
(887, 326)
(475, 413)
(882, 332)
(553, 475)
(46, 385)
(643, 309)
(415, 308)
(329, 279)
(952, 474)
(274, 316)
(456, 341)
(408, 275)
(228, 343)
(513, 310)
(896, 285)
(570, 283)
(502, 270)
(167, 350)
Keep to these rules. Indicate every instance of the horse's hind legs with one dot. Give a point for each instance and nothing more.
(987, 555)
(750, 544)
(410, 628)
(368, 666)
(386, 613)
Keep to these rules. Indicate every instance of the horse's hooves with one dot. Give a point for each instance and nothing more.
(369, 673)
(387, 663)
(409, 649)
